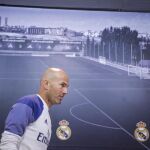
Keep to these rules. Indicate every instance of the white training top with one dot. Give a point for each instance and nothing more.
(28, 125)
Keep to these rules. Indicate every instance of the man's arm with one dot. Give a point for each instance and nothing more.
(9, 141)
(18, 119)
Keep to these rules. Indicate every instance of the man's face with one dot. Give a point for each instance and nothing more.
(58, 87)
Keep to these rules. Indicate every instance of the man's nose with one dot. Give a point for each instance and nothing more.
(65, 90)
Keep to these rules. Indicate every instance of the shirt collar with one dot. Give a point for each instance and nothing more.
(43, 101)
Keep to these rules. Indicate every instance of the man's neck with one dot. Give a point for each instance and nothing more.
(44, 99)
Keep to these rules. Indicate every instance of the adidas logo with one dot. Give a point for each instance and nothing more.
(45, 121)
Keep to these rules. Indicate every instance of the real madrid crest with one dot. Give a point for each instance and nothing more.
(141, 133)
(63, 132)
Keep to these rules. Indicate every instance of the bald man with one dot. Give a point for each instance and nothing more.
(28, 125)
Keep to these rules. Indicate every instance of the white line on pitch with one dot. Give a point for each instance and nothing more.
(106, 69)
(43, 63)
(128, 133)
(87, 122)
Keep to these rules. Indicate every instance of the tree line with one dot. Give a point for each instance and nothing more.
(121, 45)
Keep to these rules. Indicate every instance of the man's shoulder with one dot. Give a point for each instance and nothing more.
(28, 99)
(34, 102)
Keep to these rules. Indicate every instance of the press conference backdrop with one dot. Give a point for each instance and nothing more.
(107, 56)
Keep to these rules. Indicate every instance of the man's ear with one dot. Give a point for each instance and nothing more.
(46, 84)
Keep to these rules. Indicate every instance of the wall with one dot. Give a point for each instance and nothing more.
(119, 5)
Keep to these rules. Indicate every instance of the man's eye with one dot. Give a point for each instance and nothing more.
(63, 85)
